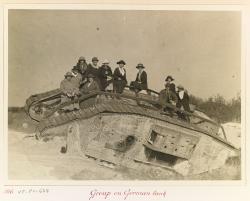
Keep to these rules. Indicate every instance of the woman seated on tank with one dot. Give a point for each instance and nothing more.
(70, 92)
(167, 98)
(183, 103)
(140, 82)
(170, 80)
(90, 86)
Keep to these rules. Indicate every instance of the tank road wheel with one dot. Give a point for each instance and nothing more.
(37, 112)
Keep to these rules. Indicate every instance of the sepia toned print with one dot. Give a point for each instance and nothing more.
(124, 95)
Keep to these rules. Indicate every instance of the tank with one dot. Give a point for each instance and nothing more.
(130, 130)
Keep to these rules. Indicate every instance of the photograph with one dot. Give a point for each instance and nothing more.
(124, 94)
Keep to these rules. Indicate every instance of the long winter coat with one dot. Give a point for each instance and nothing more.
(141, 82)
(184, 102)
(166, 96)
(89, 87)
(120, 81)
(105, 76)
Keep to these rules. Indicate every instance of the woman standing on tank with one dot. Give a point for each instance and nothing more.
(120, 80)
(105, 76)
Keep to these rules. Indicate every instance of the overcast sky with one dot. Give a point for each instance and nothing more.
(201, 50)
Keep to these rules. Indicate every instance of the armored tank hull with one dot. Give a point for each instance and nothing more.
(130, 130)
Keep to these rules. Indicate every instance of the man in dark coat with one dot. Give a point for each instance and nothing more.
(141, 82)
(105, 76)
(82, 68)
(93, 67)
(170, 80)
(120, 80)
(183, 102)
(82, 65)
(90, 85)
(167, 97)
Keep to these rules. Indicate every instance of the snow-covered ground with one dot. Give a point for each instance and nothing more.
(233, 133)
(31, 159)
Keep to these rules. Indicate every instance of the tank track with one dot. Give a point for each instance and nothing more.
(114, 106)
(34, 99)
(38, 97)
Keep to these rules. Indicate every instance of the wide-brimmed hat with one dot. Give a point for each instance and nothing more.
(75, 68)
(180, 87)
(95, 59)
(105, 61)
(81, 58)
(121, 62)
(90, 76)
(140, 65)
(169, 77)
(68, 74)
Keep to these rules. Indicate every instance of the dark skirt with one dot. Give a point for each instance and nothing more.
(119, 86)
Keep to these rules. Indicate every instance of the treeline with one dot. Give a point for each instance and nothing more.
(218, 108)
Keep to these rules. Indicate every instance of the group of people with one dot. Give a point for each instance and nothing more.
(84, 78)
(177, 97)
